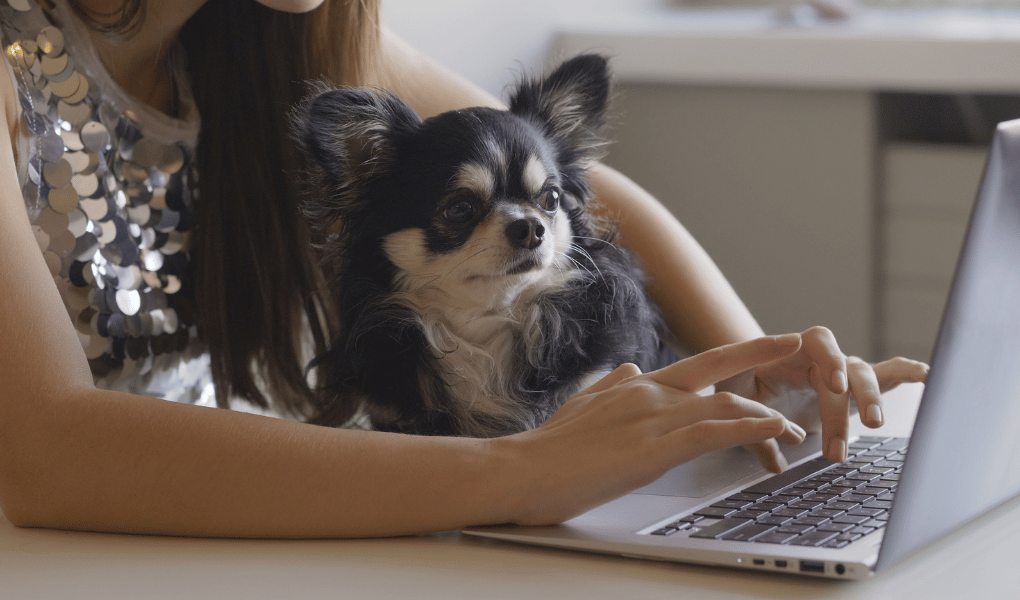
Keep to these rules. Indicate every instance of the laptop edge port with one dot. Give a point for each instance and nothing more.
(812, 566)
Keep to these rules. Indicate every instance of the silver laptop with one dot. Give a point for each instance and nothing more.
(852, 519)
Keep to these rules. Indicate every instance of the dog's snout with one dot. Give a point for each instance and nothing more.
(525, 233)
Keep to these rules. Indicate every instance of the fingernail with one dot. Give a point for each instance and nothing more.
(788, 340)
(874, 414)
(837, 450)
(797, 430)
(839, 382)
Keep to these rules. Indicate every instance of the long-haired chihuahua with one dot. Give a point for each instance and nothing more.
(473, 289)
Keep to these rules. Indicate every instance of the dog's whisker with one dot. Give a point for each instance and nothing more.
(597, 239)
(584, 253)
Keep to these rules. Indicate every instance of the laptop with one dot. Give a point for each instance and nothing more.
(892, 496)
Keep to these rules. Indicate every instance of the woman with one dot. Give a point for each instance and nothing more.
(184, 268)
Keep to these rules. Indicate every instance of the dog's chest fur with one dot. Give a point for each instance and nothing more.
(484, 355)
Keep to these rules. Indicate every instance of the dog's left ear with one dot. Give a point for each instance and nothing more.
(571, 103)
(347, 135)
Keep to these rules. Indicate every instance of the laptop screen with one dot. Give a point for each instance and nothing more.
(964, 455)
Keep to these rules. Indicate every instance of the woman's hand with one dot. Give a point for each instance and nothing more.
(630, 428)
(815, 384)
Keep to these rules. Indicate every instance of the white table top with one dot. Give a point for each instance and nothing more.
(56, 564)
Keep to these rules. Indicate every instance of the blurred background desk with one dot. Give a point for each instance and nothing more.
(41, 564)
(827, 167)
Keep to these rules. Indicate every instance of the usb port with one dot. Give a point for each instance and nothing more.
(812, 566)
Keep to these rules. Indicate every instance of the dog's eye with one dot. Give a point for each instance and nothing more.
(549, 200)
(459, 212)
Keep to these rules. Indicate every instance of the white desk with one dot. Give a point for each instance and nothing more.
(55, 564)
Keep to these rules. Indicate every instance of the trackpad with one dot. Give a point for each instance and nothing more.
(718, 470)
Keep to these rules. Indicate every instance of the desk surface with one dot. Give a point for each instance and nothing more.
(981, 562)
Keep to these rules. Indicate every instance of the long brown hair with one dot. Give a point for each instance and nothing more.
(256, 278)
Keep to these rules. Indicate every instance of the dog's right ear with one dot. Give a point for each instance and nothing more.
(347, 135)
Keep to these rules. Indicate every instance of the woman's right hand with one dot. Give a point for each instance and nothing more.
(630, 428)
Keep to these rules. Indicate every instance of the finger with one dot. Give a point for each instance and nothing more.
(621, 373)
(705, 369)
(893, 372)
(865, 390)
(705, 436)
(821, 346)
(724, 406)
(835, 417)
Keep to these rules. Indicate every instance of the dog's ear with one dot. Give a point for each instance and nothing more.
(347, 136)
(571, 103)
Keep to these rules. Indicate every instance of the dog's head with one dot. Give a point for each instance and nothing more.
(479, 203)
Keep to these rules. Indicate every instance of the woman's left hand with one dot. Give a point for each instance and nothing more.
(820, 374)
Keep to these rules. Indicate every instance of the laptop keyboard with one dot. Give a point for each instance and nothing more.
(817, 503)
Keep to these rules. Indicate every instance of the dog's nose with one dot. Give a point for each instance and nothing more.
(525, 233)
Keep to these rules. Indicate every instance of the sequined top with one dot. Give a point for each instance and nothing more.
(108, 185)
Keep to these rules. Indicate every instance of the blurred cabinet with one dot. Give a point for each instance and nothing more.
(834, 207)
(777, 185)
(927, 191)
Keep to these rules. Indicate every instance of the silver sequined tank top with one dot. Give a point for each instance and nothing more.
(108, 185)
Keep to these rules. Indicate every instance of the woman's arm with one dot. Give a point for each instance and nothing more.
(74, 457)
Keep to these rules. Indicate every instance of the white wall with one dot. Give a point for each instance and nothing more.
(491, 42)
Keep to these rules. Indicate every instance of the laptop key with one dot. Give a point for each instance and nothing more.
(837, 527)
(885, 504)
(826, 513)
(719, 529)
(748, 532)
(789, 477)
(747, 514)
(808, 504)
(852, 519)
(766, 506)
(790, 512)
(876, 439)
(774, 519)
(748, 497)
(715, 512)
(813, 538)
(858, 498)
(812, 521)
(737, 504)
(775, 537)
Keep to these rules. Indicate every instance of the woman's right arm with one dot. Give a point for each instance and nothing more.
(75, 457)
